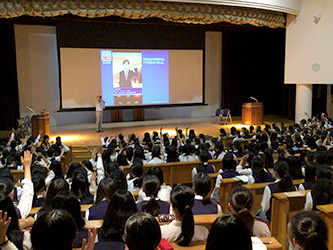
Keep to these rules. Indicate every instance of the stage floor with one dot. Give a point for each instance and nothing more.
(85, 134)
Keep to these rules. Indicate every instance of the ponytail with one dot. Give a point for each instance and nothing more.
(182, 198)
(315, 241)
(151, 186)
(286, 183)
(151, 207)
(202, 186)
(247, 217)
(187, 233)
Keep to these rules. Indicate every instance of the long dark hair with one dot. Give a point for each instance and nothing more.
(309, 230)
(257, 165)
(204, 156)
(68, 201)
(106, 188)
(322, 190)
(182, 198)
(202, 185)
(121, 207)
(241, 200)
(80, 184)
(151, 185)
(286, 183)
(57, 169)
(56, 186)
(13, 233)
(229, 232)
(72, 168)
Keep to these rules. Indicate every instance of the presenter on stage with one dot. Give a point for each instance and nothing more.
(100, 106)
(126, 75)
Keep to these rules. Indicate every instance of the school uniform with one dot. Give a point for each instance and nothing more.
(246, 170)
(97, 212)
(163, 193)
(261, 229)
(209, 169)
(199, 208)
(184, 157)
(306, 185)
(80, 235)
(156, 160)
(172, 231)
(39, 202)
(223, 175)
(88, 200)
(108, 244)
(308, 202)
(255, 179)
(25, 203)
(130, 185)
(164, 206)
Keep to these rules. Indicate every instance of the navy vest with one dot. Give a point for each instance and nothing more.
(18, 213)
(199, 208)
(82, 234)
(39, 202)
(89, 200)
(108, 244)
(269, 178)
(164, 206)
(97, 212)
(229, 174)
(308, 185)
(209, 169)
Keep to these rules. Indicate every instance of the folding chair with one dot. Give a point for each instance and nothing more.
(225, 115)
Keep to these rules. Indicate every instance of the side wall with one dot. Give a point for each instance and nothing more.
(38, 78)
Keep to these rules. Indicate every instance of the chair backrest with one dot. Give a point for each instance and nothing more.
(218, 112)
(225, 112)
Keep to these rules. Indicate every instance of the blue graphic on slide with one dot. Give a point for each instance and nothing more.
(107, 77)
(155, 76)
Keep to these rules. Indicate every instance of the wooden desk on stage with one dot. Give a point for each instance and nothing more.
(40, 123)
(252, 113)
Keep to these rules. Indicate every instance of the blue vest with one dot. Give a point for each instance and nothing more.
(164, 206)
(89, 200)
(209, 169)
(269, 178)
(97, 212)
(199, 208)
(108, 244)
(18, 213)
(229, 174)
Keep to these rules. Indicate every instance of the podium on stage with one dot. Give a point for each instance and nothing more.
(252, 113)
(39, 123)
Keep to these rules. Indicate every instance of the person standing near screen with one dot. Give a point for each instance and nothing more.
(100, 106)
(126, 75)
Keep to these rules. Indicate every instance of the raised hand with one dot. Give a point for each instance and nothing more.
(4, 223)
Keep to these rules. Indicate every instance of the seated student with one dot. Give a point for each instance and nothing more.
(202, 203)
(219, 150)
(182, 230)
(67, 200)
(283, 183)
(152, 204)
(55, 171)
(25, 203)
(17, 238)
(139, 154)
(229, 232)
(188, 153)
(71, 169)
(172, 154)
(80, 186)
(156, 156)
(310, 176)
(322, 191)
(295, 168)
(142, 232)
(56, 186)
(165, 190)
(308, 231)
(228, 170)
(136, 173)
(119, 177)
(204, 166)
(121, 207)
(39, 187)
(240, 202)
(259, 172)
(106, 188)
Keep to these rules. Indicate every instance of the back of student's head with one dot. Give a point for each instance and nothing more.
(72, 168)
(120, 179)
(55, 166)
(142, 232)
(106, 188)
(158, 172)
(286, 183)
(204, 156)
(53, 230)
(121, 207)
(56, 186)
(14, 233)
(202, 185)
(322, 189)
(39, 184)
(68, 201)
(151, 186)
(156, 152)
(295, 167)
(6, 185)
(229, 232)
(257, 165)
(122, 160)
(182, 199)
(80, 183)
(310, 171)
(88, 165)
(240, 201)
(309, 231)
(229, 162)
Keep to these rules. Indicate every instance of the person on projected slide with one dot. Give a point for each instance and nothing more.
(126, 75)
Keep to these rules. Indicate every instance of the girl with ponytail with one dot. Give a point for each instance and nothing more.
(182, 230)
(240, 202)
(202, 202)
(283, 183)
(152, 204)
(308, 231)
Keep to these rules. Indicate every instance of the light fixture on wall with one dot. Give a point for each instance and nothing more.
(316, 19)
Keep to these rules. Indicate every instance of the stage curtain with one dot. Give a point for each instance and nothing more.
(134, 9)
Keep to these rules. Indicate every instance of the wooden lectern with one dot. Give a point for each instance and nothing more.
(252, 113)
(40, 123)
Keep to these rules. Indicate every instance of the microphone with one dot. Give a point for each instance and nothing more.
(31, 110)
(254, 99)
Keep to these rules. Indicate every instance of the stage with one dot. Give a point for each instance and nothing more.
(85, 134)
